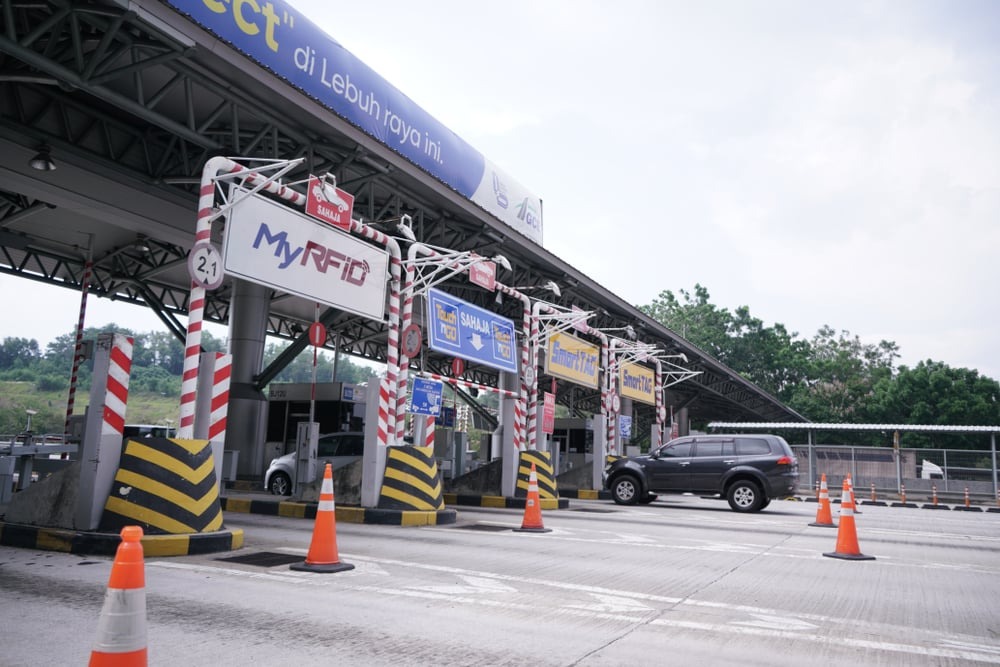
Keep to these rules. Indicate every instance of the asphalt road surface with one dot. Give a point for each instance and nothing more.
(680, 582)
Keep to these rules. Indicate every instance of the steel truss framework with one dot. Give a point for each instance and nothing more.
(129, 93)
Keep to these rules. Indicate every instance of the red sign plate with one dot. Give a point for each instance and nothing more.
(548, 413)
(317, 334)
(329, 203)
(484, 274)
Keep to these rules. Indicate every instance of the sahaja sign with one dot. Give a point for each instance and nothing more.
(284, 41)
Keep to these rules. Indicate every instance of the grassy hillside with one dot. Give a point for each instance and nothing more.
(16, 397)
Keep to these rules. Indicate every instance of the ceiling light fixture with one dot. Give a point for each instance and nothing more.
(43, 159)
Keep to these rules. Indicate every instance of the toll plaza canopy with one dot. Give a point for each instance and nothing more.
(110, 109)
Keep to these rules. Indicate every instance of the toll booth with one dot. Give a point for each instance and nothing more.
(573, 443)
(339, 406)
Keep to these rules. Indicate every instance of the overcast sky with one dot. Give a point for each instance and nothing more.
(822, 163)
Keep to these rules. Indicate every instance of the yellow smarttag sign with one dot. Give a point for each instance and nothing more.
(572, 359)
(638, 383)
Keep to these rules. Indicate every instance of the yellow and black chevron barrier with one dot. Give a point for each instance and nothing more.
(166, 485)
(412, 480)
(543, 470)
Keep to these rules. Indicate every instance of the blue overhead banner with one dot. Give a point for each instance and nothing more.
(284, 41)
(458, 328)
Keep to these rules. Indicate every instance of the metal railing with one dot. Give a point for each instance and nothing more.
(890, 471)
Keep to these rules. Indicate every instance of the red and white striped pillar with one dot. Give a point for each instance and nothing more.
(429, 431)
(220, 396)
(101, 448)
(116, 392)
(196, 300)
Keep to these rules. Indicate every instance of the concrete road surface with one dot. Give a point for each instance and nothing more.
(680, 582)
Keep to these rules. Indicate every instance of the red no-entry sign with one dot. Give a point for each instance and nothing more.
(317, 334)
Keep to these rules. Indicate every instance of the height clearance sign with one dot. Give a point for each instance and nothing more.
(458, 328)
(270, 244)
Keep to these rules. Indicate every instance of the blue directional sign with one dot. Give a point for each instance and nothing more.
(425, 397)
(458, 328)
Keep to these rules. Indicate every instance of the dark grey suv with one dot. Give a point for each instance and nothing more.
(747, 470)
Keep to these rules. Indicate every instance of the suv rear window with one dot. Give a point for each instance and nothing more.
(752, 446)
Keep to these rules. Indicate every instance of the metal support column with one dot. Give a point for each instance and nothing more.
(247, 406)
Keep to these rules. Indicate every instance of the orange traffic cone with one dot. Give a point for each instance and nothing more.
(854, 501)
(322, 556)
(847, 536)
(824, 518)
(121, 630)
(532, 522)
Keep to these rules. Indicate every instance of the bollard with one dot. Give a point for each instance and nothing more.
(934, 494)
(873, 492)
(902, 493)
(967, 503)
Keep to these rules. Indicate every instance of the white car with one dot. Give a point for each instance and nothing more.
(337, 449)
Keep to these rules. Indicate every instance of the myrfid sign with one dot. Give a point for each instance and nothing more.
(273, 245)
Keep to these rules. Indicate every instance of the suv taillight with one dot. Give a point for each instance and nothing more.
(786, 461)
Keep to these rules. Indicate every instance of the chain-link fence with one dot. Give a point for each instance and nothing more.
(918, 471)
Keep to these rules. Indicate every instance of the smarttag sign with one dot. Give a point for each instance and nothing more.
(572, 359)
(460, 329)
(638, 383)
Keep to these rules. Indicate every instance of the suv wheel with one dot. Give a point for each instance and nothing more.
(625, 490)
(745, 496)
(281, 484)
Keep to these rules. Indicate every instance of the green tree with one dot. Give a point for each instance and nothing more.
(770, 357)
(842, 374)
(301, 368)
(18, 352)
(934, 393)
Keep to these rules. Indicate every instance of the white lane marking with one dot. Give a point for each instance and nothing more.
(983, 648)
(612, 604)
(615, 605)
(474, 585)
(958, 653)
(770, 551)
(786, 623)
